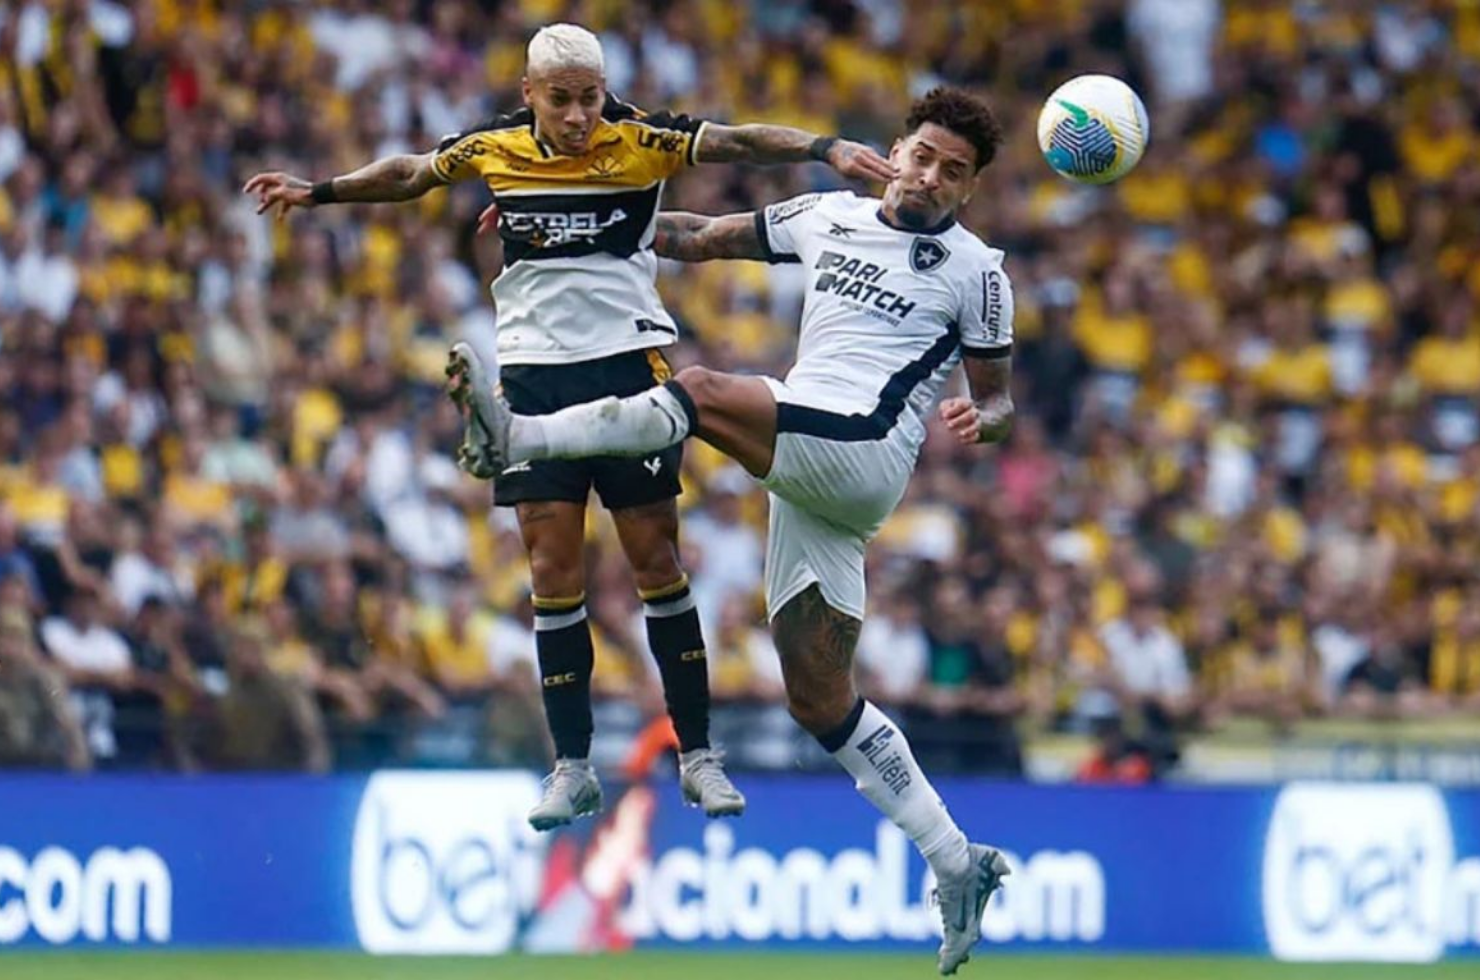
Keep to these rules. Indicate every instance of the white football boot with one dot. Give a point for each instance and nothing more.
(571, 791)
(962, 900)
(704, 783)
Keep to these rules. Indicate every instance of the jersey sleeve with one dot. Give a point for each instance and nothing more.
(456, 154)
(669, 141)
(986, 310)
(782, 226)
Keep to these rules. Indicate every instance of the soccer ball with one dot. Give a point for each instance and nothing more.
(1093, 129)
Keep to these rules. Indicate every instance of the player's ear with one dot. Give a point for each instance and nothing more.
(527, 90)
(896, 154)
(971, 187)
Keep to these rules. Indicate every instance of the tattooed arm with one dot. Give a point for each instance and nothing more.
(757, 143)
(699, 238)
(391, 179)
(987, 415)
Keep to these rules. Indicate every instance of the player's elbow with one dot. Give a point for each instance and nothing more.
(416, 177)
(685, 238)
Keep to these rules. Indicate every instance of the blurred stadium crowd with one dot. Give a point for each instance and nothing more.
(1246, 479)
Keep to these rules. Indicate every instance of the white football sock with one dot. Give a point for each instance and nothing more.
(633, 426)
(879, 759)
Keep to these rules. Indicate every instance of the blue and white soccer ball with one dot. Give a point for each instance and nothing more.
(1093, 129)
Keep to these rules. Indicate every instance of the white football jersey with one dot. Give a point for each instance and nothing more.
(887, 316)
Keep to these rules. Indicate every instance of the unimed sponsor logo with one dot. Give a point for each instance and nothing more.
(802, 894)
(444, 863)
(1360, 873)
(124, 896)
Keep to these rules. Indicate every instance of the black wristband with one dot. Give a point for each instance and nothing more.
(820, 146)
(323, 192)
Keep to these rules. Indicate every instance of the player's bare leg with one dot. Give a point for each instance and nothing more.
(816, 643)
(735, 414)
(554, 536)
(649, 536)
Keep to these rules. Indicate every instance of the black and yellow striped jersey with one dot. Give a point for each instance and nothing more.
(579, 269)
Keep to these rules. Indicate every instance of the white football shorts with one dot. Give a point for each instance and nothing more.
(831, 489)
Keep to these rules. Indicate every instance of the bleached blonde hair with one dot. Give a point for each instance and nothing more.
(564, 46)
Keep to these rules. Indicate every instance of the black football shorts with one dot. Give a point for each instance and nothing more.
(620, 481)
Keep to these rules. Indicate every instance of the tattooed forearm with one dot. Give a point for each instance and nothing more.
(755, 143)
(696, 238)
(397, 178)
(990, 379)
(677, 236)
(782, 144)
(996, 417)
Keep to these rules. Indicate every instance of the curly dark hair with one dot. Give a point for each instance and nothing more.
(963, 114)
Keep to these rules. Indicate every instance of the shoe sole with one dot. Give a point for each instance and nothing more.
(471, 456)
(728, 810)
(997, 869)
(550, 823)
(474, 392)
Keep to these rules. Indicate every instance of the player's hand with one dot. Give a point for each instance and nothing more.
(963, 418)
(488, 220)
(281, 191)
(860, 162)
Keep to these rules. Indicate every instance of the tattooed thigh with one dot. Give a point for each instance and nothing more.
(816, 641)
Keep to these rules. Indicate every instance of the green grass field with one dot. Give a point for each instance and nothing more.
(679, 966)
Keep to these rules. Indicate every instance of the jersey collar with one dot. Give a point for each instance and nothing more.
(936, 229)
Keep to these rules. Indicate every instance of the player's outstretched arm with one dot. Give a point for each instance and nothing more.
(987, 415)
(390, 179)
(700, 238)
(760, 143)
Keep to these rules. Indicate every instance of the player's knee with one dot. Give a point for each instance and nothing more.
(803, 713)
(818, 710)
(554, 578)
(656, 568)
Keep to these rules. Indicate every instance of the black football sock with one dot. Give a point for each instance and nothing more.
(562, 638)
(678, 644)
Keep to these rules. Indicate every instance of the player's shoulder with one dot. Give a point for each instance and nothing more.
(831, 203)
(843, 200)
(972, 250)
(619, 112)
(521, 118)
